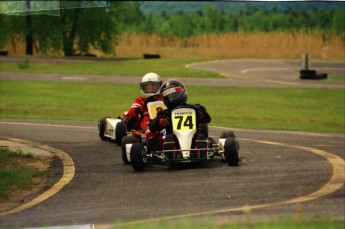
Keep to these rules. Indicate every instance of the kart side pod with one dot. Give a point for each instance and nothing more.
(111, 129)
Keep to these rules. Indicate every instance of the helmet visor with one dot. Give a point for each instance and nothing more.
(172, 93)
(150, 87)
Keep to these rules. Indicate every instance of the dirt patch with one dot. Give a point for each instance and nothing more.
(50, 170)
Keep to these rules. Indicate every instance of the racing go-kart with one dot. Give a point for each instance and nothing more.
(120, 131)
(114, 129)
(183, 146)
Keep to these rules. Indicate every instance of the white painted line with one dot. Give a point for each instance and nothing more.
(73, 78)
(84, 226)
(47, 125)
(265, 69)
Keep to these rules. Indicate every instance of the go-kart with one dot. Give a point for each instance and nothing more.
(137, 135)
(115, 129)
(189, 143)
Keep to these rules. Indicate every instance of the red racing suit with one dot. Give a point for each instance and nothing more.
(139, 112)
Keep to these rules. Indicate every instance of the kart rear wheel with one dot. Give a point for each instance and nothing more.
(138, 157)
(101, 128)
(227, 134)
(120, 132)
(231, 151)
(127, 140)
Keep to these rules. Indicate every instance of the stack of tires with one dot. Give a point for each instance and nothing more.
(311, 75)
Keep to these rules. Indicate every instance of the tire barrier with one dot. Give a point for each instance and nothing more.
(151, 56)
(312, 75)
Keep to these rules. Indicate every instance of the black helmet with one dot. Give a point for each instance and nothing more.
(173, 93)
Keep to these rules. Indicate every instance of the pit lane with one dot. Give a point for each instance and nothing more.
(280, 174)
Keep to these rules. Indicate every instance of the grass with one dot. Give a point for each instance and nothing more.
(133, 67)
(299, 109)
(13, 174)
(235, 45)
(336, 78)
(284, 223)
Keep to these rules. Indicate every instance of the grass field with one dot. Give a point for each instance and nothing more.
(14, 174)
(317, 110)
(282, 223)
(131, 67)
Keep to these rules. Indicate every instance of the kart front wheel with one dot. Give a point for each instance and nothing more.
(138, 157)
(101, 128)
(232, 151)
(127, 140)
(120, 132)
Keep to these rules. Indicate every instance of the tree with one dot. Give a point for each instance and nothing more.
(76, 31)
(213, 19)
(82, 29)
(338, 20)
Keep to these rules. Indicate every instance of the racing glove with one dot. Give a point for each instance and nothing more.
(163, 123)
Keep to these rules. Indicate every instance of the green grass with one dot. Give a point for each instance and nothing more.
(283, 223)
(12, 173)
(300, 109)
(336, 78)
(135, 67)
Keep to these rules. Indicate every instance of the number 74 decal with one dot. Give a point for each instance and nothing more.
(183, 120)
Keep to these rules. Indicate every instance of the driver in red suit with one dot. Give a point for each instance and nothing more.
(137, 116)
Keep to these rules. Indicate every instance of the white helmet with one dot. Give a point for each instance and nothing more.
(150, 84)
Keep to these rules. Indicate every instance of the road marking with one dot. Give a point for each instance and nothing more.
(285, 69)
(73, 78)
(336, 182)
(278, 82)
(265, 69)
(81, 226)
(47, 125)
(68, 174)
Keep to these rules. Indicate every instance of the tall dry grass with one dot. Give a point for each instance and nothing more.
(235, 45)
(230, 45)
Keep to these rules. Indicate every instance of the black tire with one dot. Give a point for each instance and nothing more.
(227, 134)
(101, 128)
(231, 151)
(307, 74)
(127, 140)
(203, 129)
(120, 132)
(138, 159)
(321, 76)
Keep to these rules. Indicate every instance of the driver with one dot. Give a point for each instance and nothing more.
(137, 116)
(174, 94)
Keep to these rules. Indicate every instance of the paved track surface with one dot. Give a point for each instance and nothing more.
(280, 174)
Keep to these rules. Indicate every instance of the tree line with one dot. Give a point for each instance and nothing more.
(75, 31)
(215, 20)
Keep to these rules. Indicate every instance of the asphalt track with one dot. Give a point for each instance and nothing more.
(281, 174)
